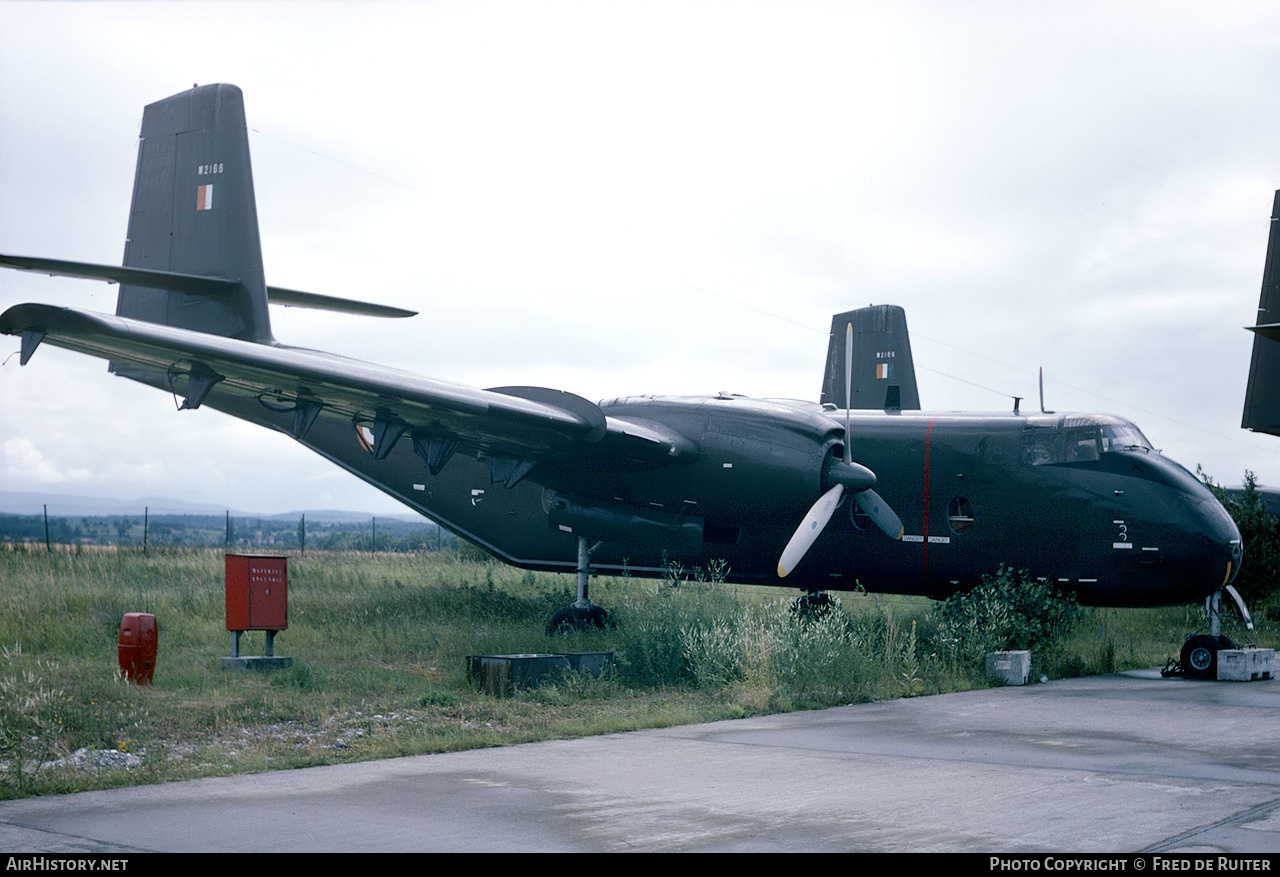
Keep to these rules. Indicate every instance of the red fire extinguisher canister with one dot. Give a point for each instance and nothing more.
(139, 637)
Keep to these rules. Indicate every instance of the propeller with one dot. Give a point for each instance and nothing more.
(845, 474)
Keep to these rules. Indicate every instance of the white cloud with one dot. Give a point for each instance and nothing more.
(671, 197)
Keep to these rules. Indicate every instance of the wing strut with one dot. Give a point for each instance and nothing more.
(200, 380)
(31, 339)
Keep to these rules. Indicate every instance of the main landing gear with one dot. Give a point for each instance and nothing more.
(812, 605)
(1199, 658)
(581, 615)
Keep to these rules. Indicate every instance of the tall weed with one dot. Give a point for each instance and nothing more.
(379, 645)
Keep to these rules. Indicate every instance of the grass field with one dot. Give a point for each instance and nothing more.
(379, 645)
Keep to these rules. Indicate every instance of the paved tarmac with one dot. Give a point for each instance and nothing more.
(1120, 764)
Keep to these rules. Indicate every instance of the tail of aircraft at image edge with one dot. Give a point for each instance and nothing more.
(859, 489)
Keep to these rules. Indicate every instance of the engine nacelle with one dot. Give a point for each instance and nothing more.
(614, 522)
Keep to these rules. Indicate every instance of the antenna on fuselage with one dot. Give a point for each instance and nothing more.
(1042, 411)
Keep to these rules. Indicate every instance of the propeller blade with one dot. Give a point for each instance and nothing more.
(848, 390)
(845, 473)
(880, 514)
(809, 530)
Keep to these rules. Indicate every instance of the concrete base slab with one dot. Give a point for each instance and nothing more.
(1128, 763)
(263, 663)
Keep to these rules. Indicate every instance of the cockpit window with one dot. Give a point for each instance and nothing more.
(1078, 438)
(1083, 445)
(1124, 437)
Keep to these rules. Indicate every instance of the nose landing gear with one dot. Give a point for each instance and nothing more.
(1199, 658)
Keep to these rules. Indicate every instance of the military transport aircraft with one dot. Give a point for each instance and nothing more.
(861, 488)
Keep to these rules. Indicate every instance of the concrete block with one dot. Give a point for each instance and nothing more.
(1009, 668)
(594, 665)
(1246, 665)
(256, 662)
(505, 674)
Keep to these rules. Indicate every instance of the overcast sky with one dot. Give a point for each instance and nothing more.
(612, 198)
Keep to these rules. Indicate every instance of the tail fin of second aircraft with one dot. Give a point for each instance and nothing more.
(884, 376)
(194, 221)
(1262, 398)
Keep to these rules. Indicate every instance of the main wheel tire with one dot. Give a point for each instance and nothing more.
(1200, 657)
(812, 606)
(572, 619)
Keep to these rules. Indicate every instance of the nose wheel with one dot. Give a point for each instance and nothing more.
(1199, 657)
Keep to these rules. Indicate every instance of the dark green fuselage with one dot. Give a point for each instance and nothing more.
(1108, 518)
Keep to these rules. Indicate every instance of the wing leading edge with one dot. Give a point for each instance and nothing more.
(524, 424)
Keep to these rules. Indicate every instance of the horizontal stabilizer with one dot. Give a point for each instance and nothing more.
(193, 284)
(292, 298)
(1271, 330)
(196, 284)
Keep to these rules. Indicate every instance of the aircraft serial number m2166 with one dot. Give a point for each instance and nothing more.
(860, 488)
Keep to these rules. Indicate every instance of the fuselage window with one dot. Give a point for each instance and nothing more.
(960, 515)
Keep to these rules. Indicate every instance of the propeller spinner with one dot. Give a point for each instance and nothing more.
(845, 474)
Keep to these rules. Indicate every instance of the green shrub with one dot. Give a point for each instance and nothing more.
(1008, 610)
(1260, 532)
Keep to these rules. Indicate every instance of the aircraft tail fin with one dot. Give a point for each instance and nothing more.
(194, 216)
(884, 376)
(1262, 398)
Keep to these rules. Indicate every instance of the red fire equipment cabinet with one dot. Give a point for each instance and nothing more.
(139, 639)
(257, 596)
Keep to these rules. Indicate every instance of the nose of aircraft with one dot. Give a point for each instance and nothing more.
(1237, 555)
(1228, 547)
(1207, 548)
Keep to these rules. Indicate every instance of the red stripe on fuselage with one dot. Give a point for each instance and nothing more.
(928, 446)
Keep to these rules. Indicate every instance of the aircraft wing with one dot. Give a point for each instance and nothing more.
(520, 425)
